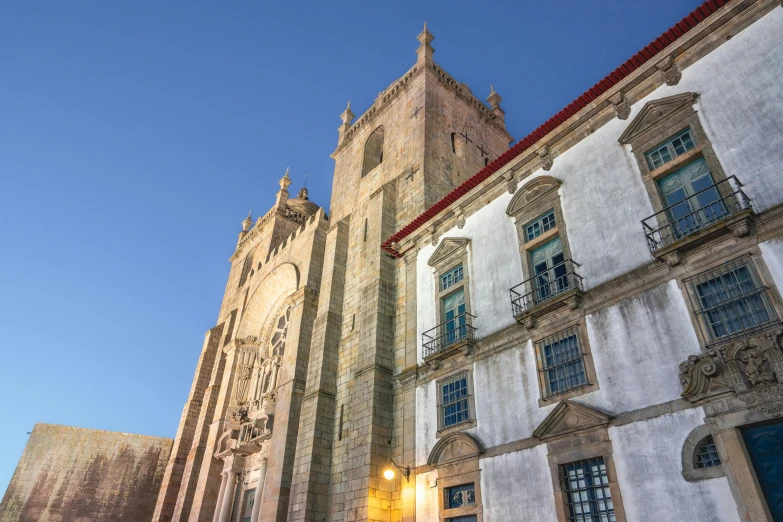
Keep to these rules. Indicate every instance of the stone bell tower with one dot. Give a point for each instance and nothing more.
(424, 135)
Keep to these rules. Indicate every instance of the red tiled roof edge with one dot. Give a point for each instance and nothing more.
(674, 33)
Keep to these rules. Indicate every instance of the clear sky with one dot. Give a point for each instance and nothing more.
(135, 136)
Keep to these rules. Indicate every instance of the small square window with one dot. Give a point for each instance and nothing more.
(562, 363)
(670, 149)
(469, 518)
(459, 496)
(730, 299)
(586, 486)
(454, 404)
(451, 278)
(540, 225)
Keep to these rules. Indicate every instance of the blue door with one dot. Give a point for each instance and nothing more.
(549, 269)
(765, 446)
(693, 201)
(454, 315)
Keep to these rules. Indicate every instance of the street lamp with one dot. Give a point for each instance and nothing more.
(388, 473)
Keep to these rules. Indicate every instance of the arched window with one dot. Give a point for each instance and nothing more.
(247, 266)
(373, 151)
(707, 454)
(700, 457)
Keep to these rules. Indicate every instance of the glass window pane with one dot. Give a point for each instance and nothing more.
(540, 225)
(670, 149)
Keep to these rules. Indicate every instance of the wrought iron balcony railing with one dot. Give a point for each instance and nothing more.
(545, 286)
(448, 333)
(694, 213)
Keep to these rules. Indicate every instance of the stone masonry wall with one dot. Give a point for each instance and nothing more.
(75, 474)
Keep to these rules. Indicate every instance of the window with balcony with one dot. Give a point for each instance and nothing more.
(455, 327)
(551, 278)
(692, 197)
(730, 300)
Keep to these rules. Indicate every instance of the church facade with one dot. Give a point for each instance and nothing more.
(585, 326)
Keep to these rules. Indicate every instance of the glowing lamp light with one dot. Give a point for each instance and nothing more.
(388, 474)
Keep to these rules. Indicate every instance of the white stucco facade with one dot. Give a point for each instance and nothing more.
(637, 343)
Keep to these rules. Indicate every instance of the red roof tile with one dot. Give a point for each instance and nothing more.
(675, 32)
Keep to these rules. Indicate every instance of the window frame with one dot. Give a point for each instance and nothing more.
(440, 407)
(457, 475)
(450, 254)
(564, 481)
(690, 447)
(681, 115)
(587, 362)
(759, 273)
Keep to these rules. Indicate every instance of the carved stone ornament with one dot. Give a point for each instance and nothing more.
(454, 447)
(655, 111)
(621, 106)
(511, 181)
(546, 158)
(246, 359)
(460, 215)
(569, 417)
(446, 248)
(670, 72)
(736, 366)
(433, 235)
(531, 191)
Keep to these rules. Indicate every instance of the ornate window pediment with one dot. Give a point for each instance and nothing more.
(569, 417)
(655, 111)
(531, 192)
(454, 447)
(447, 246)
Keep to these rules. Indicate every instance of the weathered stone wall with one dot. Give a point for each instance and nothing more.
(75, 474)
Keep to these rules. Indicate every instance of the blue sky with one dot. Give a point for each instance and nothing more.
(135, 136)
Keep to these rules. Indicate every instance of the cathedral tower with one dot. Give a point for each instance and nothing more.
(293, 412)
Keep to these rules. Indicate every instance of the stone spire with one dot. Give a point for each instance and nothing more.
(282, 195)
(347, 118)
(248, 222)
(494, 100)
(425, 50)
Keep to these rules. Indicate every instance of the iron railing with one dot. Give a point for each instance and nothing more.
(730, 301)
(697, 212)
(544, 286)
(437, 339)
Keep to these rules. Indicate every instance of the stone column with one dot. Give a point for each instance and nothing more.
(259, 491)
(223, 483)
(228, 496)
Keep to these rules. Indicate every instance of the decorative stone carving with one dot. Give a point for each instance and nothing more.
(569, 417)
(701, 376)
(672, 258)
(531, 191)
(246, 355)
(460, 215)
(736, 366)
(454, 447)
(670, 72)
(655, 111)
(433, 235)
(546, 158)
(740, 228)
(511, 181)
(446, 248)
(621, 106)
